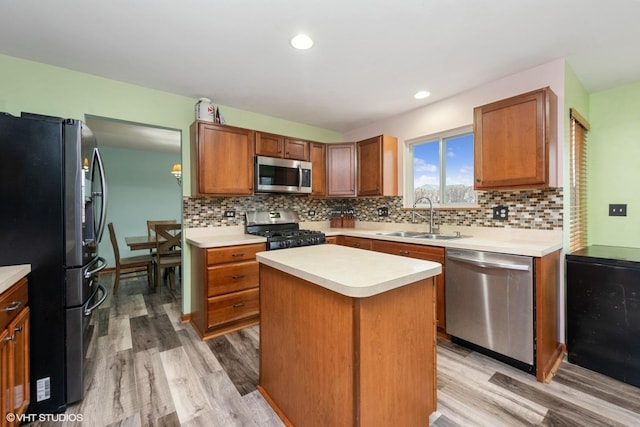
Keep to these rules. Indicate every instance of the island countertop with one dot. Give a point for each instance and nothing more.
(351, 272)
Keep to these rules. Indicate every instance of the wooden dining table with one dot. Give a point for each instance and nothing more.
(140, 242)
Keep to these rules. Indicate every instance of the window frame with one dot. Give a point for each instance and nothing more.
(409, 190)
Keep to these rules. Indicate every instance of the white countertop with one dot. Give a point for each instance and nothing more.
(9, 275)
(352, 272)
(534, 243)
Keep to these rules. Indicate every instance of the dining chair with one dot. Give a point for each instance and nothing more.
(168, 253)
(129, 267)
(151, 228)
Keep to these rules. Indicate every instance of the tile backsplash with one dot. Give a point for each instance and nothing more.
(539, 209)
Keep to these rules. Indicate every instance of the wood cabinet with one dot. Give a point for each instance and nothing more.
(317, 156)
(221, 159)
(341, 170)
(428, 253)
(225, 290)
(272, 145)
(516, 141)
(355, 242)
(332, 240)
(378, 166)
(14, 351)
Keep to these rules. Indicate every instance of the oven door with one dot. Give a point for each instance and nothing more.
(275, 175)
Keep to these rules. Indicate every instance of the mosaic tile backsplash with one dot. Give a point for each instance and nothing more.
(528, 209)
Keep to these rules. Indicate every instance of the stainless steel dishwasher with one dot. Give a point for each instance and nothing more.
(490, 304)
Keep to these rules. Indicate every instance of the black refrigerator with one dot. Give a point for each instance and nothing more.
(52, 216)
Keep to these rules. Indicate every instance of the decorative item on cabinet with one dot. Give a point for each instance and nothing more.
(515, 142)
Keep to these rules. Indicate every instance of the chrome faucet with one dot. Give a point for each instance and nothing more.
(414, 213)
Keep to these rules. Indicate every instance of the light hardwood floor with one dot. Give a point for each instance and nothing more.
(145, 368)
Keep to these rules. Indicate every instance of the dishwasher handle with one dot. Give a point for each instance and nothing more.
(489, 264)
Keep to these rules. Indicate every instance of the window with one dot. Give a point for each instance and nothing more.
(578, 182)
(442, 169)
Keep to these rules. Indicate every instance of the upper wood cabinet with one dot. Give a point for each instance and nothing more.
(378, 166)
(341, 170)
(272, 145)
(317, 156)
(221, 159)
(515, 142)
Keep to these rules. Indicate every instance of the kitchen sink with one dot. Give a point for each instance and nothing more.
(403, 233)
(421, 235)
(439, 236)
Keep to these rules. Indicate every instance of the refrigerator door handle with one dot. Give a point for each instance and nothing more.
(102, 264)
(97, 159)
(88, 310)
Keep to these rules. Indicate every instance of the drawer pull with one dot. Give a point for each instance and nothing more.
(237, 254)
(13, 306)
(17, 329)
(238, 276)
(238, 305)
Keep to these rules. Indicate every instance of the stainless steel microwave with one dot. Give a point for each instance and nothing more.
(274, 175)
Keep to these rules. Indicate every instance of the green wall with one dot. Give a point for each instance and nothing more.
(140, 188)
(44, 89)
(614, 165)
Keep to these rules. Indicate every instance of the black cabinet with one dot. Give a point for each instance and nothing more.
(603, 311)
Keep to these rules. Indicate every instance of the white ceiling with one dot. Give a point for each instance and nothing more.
(369, 58)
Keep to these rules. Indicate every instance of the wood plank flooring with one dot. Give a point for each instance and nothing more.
(145, 368)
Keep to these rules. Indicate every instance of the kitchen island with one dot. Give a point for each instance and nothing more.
(347, 336)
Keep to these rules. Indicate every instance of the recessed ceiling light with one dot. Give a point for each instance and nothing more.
(302, 42)
(421, 94)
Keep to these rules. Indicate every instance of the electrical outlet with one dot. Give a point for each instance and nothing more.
(312, 213)
(384, 211)
(229, 214)
(501, 213)
(618, 210)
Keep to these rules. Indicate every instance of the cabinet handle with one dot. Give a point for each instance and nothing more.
(238, 276)
(238, 305)
(404, 252)
(237, 254)
(17, 329)
(13, 306)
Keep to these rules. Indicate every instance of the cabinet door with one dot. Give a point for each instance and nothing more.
(297, 149)
(223, 159)
(341, 170)
(4, 377)
(370, 167)
(513, 141)
(317, 155)
(19, 363)
(268, 144)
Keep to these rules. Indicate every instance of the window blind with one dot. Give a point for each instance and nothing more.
(578, 182)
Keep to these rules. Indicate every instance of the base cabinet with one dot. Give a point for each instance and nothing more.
(225, 291)
(14, 353)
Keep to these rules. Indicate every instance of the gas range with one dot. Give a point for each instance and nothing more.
(282, 229)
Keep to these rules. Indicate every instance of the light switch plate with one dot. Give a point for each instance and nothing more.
(384, 211)
(229, 214)
(618, 210)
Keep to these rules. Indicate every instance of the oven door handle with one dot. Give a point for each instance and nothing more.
(489, 264)
(102, 265)
(89, 310)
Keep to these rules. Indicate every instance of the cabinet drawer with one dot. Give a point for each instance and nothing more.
(231, 307)
(224, 279)
(429, 253)
(12, 301)
(234, 253)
